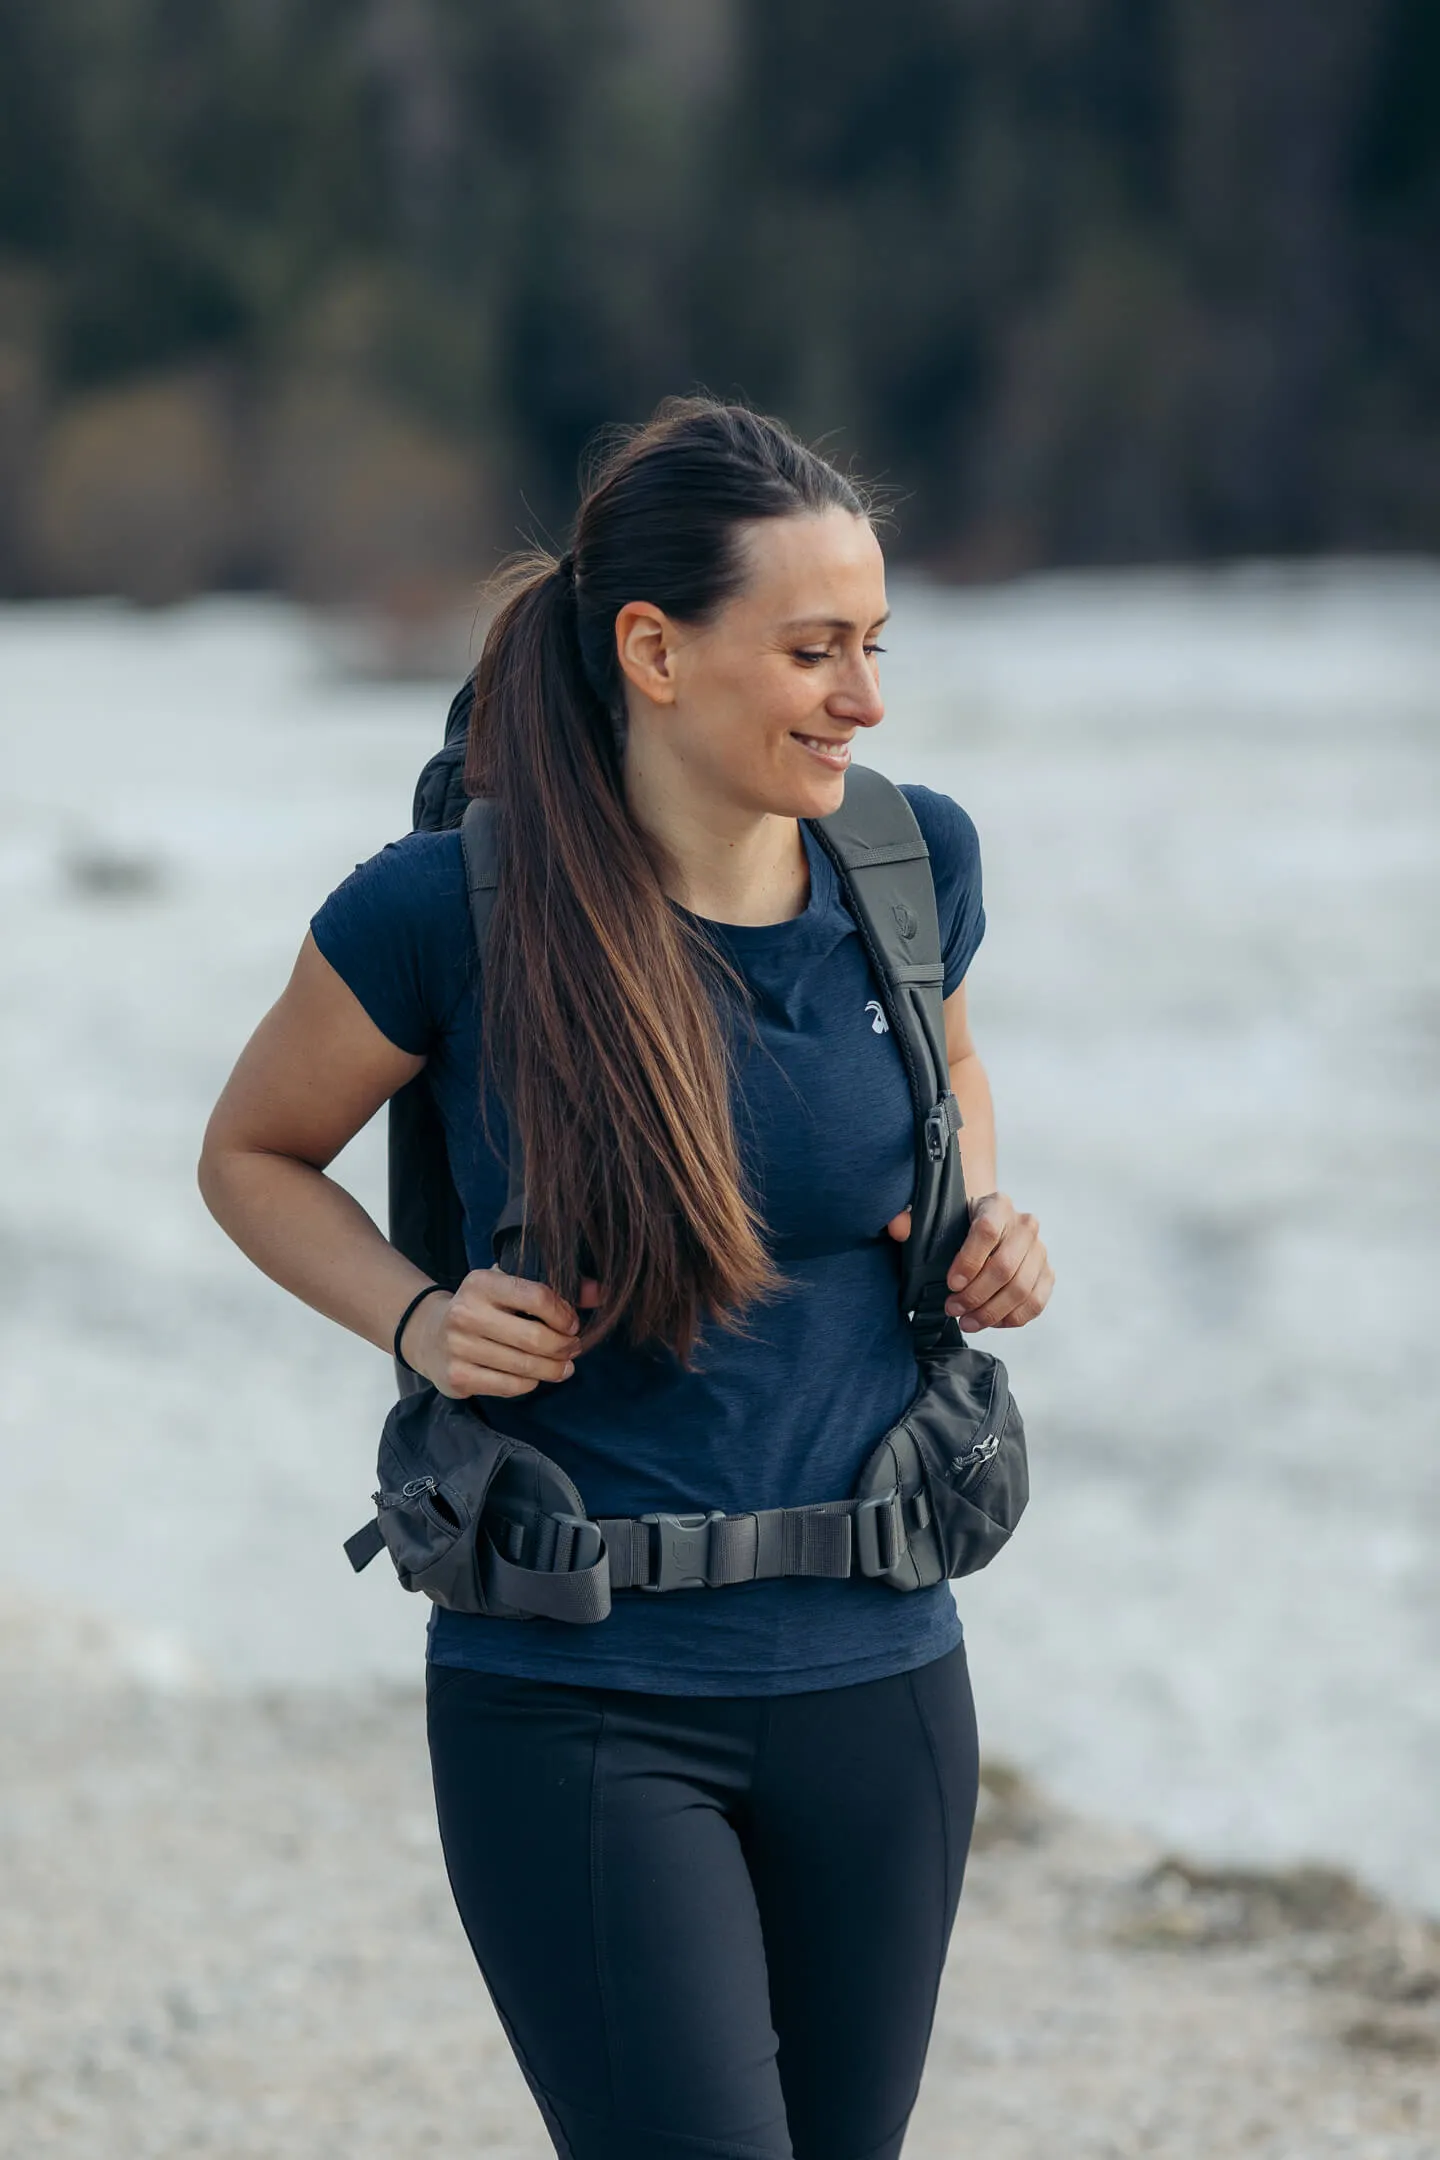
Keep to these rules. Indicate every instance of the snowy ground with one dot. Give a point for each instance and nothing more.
(1210, 1002)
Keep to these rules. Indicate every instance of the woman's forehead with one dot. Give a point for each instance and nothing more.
(815, 570)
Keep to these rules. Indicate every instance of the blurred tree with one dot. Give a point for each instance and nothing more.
(1084, 279)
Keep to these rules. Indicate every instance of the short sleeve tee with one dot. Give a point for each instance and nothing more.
(783, 1415)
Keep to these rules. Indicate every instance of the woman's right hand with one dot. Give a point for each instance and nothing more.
(498, 1335)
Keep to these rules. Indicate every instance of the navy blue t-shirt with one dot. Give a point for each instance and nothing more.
(782, 1416)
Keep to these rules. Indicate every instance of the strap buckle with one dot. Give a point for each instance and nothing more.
(578, 1544)
(681, 1549)
(550, 1544)
(942, 1123)
(881, 1542)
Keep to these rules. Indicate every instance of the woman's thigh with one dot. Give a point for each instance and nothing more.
(857, 1839)
(603, 1888)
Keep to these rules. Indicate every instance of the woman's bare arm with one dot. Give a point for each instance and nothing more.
(1001, 1276)
(971, 1088)
(313, 1073)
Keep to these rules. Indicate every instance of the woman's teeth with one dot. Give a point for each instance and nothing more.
(834, 753)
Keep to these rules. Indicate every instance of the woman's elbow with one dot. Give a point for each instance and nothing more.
(212, 1171)
(227, 1155)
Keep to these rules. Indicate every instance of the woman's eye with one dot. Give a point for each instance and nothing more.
(824, 655)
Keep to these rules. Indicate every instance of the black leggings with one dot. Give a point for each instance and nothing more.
(711, 1925)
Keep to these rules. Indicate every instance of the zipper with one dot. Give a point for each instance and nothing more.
(976, 1459)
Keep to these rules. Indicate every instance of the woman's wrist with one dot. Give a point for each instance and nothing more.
(411, 1328)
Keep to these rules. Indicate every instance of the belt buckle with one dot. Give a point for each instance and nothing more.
(878, 1551)
(682, 1549)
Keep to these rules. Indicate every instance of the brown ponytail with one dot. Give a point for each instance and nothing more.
(601, 1025)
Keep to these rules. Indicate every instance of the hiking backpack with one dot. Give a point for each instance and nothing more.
(484, 1523)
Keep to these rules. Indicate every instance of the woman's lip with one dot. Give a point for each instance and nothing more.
(820, 745)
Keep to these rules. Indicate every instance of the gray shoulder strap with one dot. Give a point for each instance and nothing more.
(884, 867)
(479, 840)
(878, 850)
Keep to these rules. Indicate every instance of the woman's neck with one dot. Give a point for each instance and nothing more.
(724, 863)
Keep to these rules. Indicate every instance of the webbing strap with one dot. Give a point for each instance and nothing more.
(582, 1594)
(702, 1551)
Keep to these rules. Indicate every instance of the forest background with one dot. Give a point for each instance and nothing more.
(325, 296)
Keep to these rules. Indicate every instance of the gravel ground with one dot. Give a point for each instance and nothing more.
(225, 1929)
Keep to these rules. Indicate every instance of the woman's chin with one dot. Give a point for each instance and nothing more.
(824, 795)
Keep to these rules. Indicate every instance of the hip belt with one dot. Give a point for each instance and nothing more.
(484, 1523)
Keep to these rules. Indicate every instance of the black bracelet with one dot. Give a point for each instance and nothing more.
(400, 1357)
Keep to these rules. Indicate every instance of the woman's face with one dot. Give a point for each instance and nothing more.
(757, 710)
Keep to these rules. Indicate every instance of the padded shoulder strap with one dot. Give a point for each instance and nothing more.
(878, 850)
(479, 839)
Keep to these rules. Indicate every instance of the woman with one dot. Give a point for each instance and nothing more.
(708, 1852)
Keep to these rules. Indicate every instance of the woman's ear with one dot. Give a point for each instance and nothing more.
(645, 650)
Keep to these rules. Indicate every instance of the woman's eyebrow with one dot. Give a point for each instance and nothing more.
(831, 622)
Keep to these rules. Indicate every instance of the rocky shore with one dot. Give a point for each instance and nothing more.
(225, 1930)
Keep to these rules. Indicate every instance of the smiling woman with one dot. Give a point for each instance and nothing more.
(654, 1827)
(707, 556)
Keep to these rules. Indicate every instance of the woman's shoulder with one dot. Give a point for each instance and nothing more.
(422, 864)
(416, 880)
(397, 929)
(954, 846)
(947, 829)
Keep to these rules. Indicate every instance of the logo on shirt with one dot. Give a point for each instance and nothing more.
(879, 1025)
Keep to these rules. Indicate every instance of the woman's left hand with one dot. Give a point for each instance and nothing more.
(1001, 1276)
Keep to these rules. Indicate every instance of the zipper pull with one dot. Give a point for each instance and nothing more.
(983, 1449)
(410, 1491)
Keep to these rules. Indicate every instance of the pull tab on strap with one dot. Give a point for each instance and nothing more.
(361, 1549)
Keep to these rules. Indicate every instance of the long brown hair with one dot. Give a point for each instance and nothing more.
(600, 1020)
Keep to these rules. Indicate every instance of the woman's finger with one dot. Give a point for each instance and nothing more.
(463, 1379)
(1016, 1301)
(494, 1368)
(1037, 1301)
(492, 1286)
(1004, 1263)
(502, 1357)
(989, 1222)
(474, 1329)
(1033, 1304)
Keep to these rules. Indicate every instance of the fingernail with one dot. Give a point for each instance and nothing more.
(569, 1368)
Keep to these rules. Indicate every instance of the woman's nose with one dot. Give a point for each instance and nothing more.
(859, 699)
